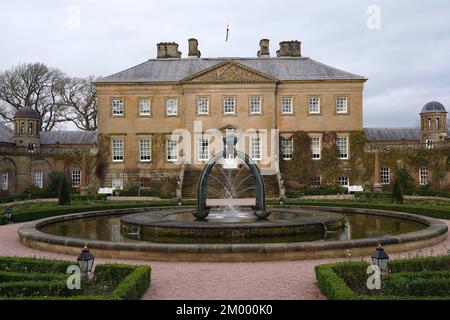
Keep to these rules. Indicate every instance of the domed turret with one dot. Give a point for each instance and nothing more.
(27, 125)
(434, 122)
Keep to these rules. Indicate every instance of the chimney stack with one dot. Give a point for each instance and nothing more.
(290, 49)
(264, 48)
(168, 50)
(193, 48)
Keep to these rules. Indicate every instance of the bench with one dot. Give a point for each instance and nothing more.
(355, 189)
(108, 191)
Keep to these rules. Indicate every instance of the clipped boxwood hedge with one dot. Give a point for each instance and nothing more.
(417, 278)
(38, 279)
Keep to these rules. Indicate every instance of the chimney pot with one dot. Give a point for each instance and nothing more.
(193, 48)
(264, 50)
(290, 49)
(167, 50)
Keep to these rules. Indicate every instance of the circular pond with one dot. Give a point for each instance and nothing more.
(290, 233)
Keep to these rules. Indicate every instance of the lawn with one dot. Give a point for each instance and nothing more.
(29, 278)
(417, 278)
(34, 211)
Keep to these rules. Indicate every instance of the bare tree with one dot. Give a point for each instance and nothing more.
(80, 98)
(36, 86)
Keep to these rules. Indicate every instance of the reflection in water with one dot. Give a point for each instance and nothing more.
(357, 226)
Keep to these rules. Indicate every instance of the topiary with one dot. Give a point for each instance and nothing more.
(63, 192)
(397, 195)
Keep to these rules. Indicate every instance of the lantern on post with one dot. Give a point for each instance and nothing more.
(380, 258)
(179, 202)
(8, 213)
(85, 261)
(281, 201)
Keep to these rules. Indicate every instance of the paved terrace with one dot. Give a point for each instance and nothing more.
(289, 280)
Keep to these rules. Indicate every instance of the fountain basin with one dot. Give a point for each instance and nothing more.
(234, 227)
(36, 235)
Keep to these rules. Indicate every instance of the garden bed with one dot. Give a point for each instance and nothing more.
(42, 279)
(417, 279)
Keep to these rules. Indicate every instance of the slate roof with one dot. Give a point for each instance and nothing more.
(68, 137)
(6, 134)
(392, 134)
(282, 68)
(433, 106)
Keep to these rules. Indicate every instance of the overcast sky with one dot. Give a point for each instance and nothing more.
(405, 54)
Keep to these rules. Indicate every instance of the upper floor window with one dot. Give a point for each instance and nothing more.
(203, 149)
(145, 108)
(117, 107)
(76, 178)
(255, 105)
(171, 107)
(385, 175)
(287, 148)
(145, 150)
(172, 149)
(255, 148)
(203, 106)
(38, 179)
(117, 150)
(4, 180)
(341, 105)
(314, 105)
(342, 144)
(229, 105)
(315, 148)
(423, 176)
(287, 105)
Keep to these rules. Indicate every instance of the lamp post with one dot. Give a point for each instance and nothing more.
(179, 202)
(281, 201)
(380, 258)
(85, 261)
(8, 213)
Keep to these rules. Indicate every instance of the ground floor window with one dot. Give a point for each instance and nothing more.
(145, 150)
(172, 149)
(343, 181)
(76, 178)
(4, 180)
(317, 182)
(203, 149)
(287, 148)
(342, 144)
(423, 176)
(38, 179)
(255, 149)
(117, 184)
(385, 175)
(117, 150)
(315, 147)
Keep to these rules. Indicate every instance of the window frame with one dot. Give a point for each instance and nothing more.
(168, 141)
(314, 155)
(199, 107)
(145, 157)
(251, 100)
(120, 184)
(176, 114)
(113, 108)
(77, 178)
(385, 175)
(343, 178)
(424, 176)
(118, 157)
(283, 148)
(346, 105)
(234, 105)
(38, 179)
(4, 180)
(200, 149)
(318, 104)
(252, 150)
(291, 99)
(346, 157)
(145, 115)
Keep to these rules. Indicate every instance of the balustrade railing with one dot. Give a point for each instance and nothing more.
(405, 147)
(42, 151)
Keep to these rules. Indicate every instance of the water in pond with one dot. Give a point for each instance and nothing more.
(357, 226)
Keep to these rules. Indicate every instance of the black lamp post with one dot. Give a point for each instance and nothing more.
(380, 258)
(281, 201)
(179, 202)
(8, 213)
(85, 261)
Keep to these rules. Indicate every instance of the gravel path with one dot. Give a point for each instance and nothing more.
(290, 280)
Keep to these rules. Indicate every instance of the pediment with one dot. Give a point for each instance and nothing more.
(229, 72)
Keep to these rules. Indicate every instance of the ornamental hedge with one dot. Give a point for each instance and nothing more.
(39, 279)
(417, 278)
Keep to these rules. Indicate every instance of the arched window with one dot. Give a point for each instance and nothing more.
(22, 128)
(429, 124)
(438, 124)
(30, 128)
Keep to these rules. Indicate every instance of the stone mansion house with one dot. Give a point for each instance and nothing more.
(142, 109)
